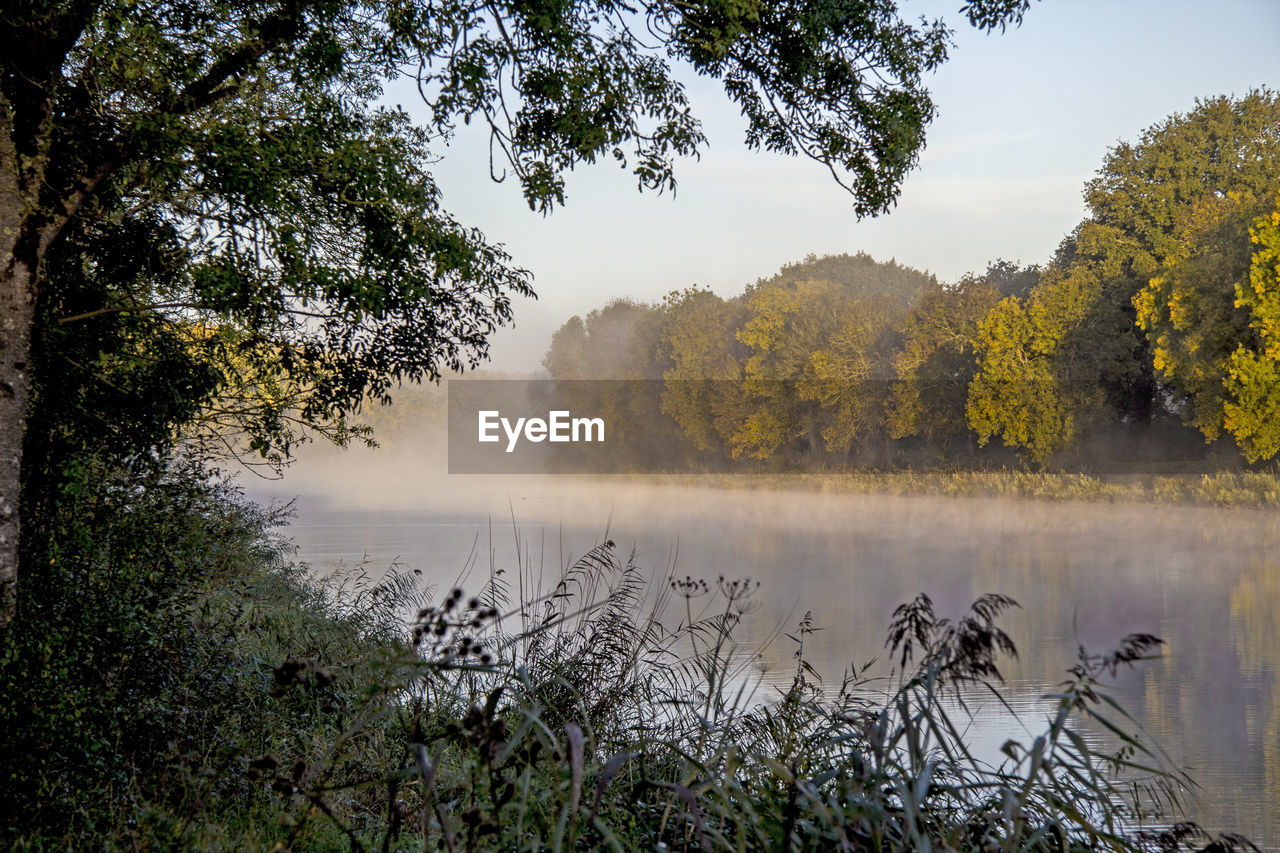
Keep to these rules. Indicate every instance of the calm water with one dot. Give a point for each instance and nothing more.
(1207, 581)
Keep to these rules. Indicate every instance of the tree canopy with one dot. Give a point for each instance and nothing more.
(1211, 318)
(937, 358)
(797, 366)
(1075, 338)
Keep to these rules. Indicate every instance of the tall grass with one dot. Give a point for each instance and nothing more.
(609, 715)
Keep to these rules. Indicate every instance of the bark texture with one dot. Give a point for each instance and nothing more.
(17, 307)
(25, 124)
(17, 313)
(35, 39)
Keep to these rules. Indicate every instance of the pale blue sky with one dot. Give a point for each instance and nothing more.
(1025, 119)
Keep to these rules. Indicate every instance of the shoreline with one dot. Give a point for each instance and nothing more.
(1226, 489)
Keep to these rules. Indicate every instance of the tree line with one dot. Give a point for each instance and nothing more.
(1161, 307)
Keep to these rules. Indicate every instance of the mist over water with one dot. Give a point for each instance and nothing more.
(1206, 580)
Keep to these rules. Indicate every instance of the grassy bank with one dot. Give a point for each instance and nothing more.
(1247, 489)
(190, 689)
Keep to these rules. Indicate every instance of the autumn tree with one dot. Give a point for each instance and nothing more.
(1212, 317)
(702, 387)
(1070, 354)
(785, 326)
(1188, 310)
(848, 377)
(1252, 410)
(1036, 384)
(819, 337)
(937, 358)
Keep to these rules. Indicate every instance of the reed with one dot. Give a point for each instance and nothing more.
(607, 714)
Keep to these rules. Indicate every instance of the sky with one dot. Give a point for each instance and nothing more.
(1024, 119)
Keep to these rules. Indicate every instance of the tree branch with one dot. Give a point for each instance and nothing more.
(214, 85)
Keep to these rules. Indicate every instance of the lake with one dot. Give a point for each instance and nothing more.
(1206, 580)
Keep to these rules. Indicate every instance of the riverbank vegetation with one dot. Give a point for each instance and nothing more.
(1244, 489)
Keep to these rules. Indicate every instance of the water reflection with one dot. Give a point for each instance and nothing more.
(1208, 581)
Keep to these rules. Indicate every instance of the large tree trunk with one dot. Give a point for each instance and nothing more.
(17, 314)
(26, 229)
(34, 43)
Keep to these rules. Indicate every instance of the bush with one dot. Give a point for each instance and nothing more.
(135, 680)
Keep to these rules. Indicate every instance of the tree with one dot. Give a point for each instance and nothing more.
(611, 365)
(937, 358)
(1047, 362)
(1224, 144)
(702, 387)
(1252, 411)
(1028, 390)
(1189, 310)
(566, 358)
(1086, 361)
(619, 341)
(249, 136)
(848, 375)
(1212, 316)
(819, 337)
(785, 326)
